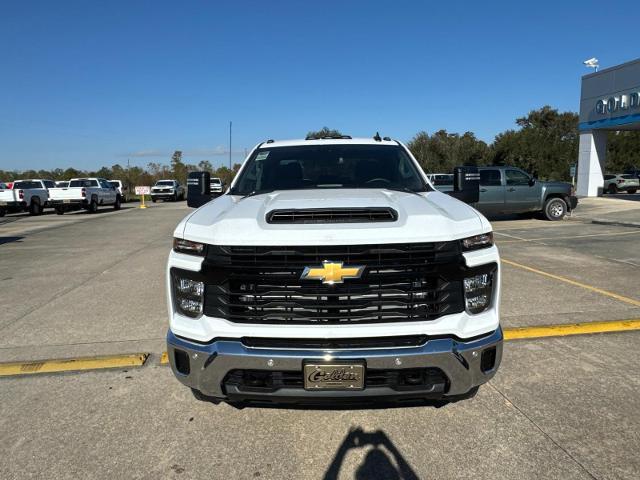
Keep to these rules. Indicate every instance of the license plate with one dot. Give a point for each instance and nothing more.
(333, 376)
(66, 201)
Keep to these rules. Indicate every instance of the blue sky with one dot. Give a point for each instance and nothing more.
(88, 83)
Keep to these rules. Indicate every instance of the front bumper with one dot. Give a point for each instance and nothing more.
(163, 195)
(209, 364)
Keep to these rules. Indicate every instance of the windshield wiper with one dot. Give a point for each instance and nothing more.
(403, 189)
(253, 192)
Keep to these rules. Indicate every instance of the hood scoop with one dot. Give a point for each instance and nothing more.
(332, 215)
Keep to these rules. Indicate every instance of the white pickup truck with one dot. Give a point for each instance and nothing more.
(216, 186)
(333, 272)
(84, 193)
(31, 195)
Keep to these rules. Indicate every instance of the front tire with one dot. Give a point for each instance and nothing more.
(555, 209)
(153, 200)
(632, 191)
(59, 211)
(116, 206)
(612, 188)
(93, 206)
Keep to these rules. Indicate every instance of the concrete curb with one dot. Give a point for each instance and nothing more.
(73, 364)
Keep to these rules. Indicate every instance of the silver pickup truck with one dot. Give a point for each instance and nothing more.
(507, 190)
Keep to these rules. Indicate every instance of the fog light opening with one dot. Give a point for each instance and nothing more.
(182, 362)
(488, 360)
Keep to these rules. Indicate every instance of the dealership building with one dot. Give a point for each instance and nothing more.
(609, 101)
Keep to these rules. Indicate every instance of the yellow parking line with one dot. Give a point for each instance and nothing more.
(621, 298)
(164, 358)
(571, 329)
(613, 234)
(72, 364)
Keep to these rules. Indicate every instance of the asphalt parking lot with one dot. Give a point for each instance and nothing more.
(83, 285)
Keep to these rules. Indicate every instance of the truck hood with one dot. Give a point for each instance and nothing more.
(233, 220)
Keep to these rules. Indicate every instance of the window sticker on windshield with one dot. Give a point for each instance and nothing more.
(262, 156)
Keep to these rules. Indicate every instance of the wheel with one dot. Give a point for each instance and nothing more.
(35, 208)
(153, 200)
(93, 206)
(182, 196)
(175, 197)
(632, 191)
(555, 209)
(2, 212)
(59, 211)
(612, 188)
(116, 206)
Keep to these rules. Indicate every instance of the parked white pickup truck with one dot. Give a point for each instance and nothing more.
(84, 193)
(333, 272)
(216, 186)
(167, 190)
(31, 195)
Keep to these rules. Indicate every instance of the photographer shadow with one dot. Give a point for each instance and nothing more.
(383, 461)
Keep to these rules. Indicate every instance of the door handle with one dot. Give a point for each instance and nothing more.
(483, 189)
(511, 189)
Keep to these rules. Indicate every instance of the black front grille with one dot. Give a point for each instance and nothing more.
(332, 215)
(400, 282)
(265, 381)
(336, 343)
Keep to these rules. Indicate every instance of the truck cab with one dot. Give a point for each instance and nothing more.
(333, 272)
(507, 190)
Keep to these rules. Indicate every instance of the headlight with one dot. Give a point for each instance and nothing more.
(483, 240)
(181, 245)
(478, 292)
(188, 295)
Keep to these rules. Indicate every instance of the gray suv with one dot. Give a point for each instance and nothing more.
(512, 190)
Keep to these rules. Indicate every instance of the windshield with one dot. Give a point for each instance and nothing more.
(115, 184)
(216, 181)
(329, 166)
(165, 183)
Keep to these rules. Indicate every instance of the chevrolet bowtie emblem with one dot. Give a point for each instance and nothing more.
(332, 272)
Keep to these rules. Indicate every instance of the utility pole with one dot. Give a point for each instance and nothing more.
(230, 125)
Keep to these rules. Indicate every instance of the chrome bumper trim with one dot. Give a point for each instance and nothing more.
(459, 360)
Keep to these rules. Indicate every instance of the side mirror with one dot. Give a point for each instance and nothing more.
(466, 184)
(532, 181)
(198, 189)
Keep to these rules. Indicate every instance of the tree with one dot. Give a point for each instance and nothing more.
(324, 132)
(178, 169)
(546, 143)
(442, 151)
(623, 151)
(205, 165)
